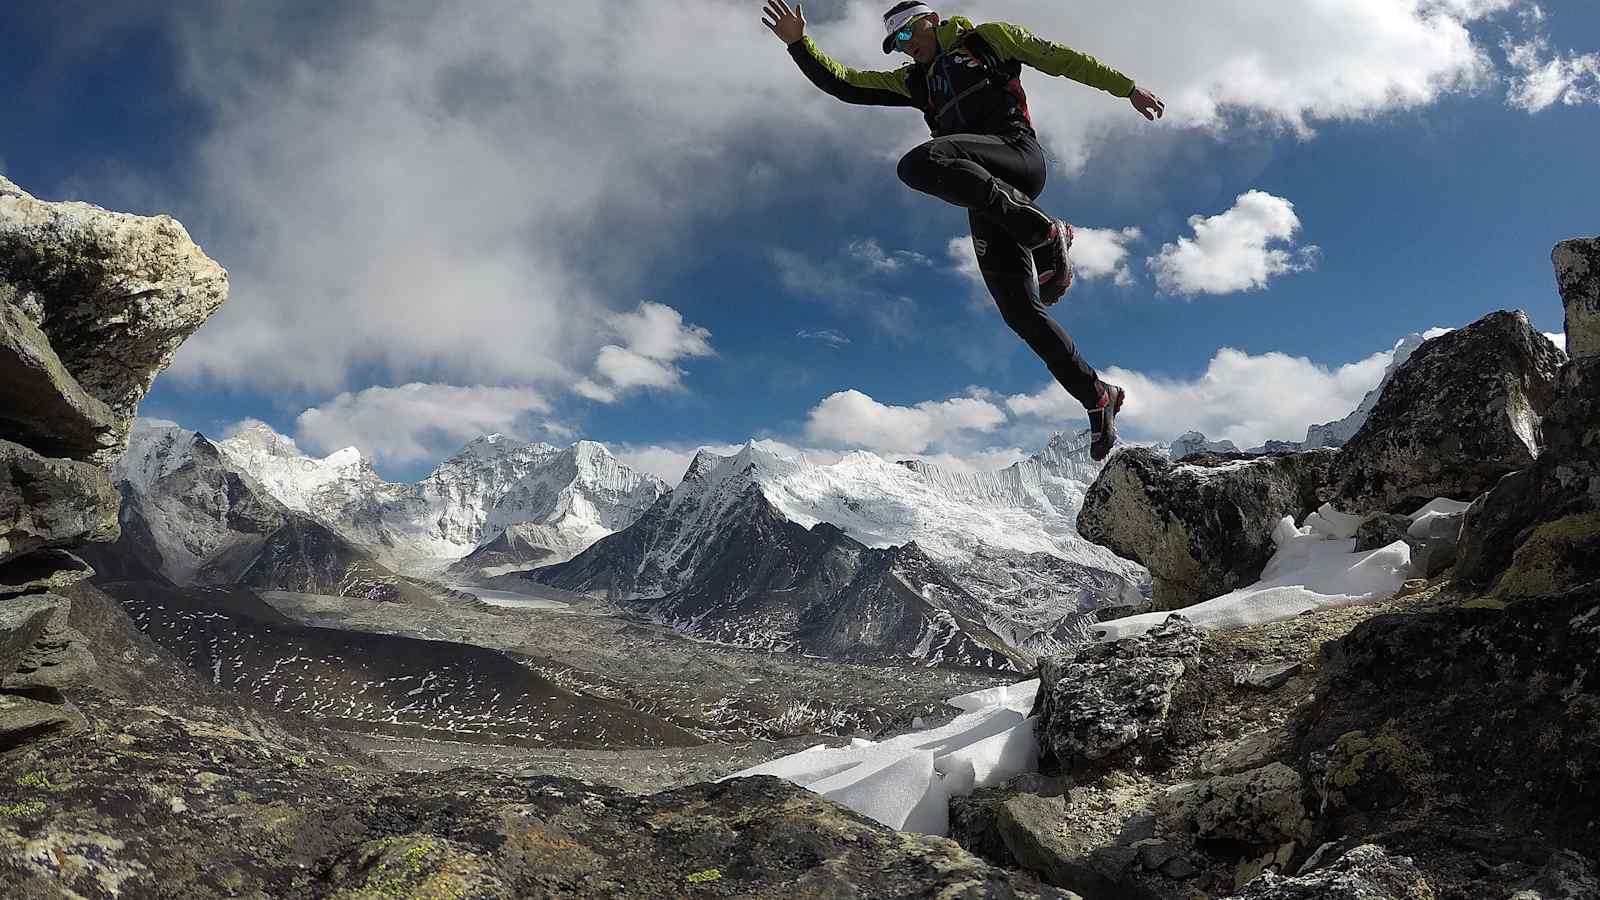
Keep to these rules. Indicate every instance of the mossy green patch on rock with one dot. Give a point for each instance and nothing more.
(1555, 556)
(1374, 771)
(416, 867)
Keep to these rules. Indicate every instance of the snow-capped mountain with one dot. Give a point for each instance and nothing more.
(750, 546)
(556, 501)
(192, 517)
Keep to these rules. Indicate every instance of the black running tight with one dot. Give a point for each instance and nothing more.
(958, 168)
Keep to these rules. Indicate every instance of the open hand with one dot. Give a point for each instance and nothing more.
(1148, 104)
(788, 25)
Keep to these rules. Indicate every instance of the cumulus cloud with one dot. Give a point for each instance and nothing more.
(1542, 77)
(853, 419)
(1559, 338)
(1233, 251)
(655, 338)
(1244, 398)
(1099, 252)
(421, 422)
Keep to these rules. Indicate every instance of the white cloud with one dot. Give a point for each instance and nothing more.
(1559, 338)
(656, 337)
(1290, 63)
(1542, 78)
(1098, 252)
(870, 252)
(825, 335)
(420, 422)
(1233, 251)
(1240, 397)
(853, 419)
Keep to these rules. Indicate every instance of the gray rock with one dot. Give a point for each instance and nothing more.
(1034, 830)
(1111, 700)
(1381, 530)
(1465, 410)
(1268, 678)
(41, 405)
(1577, 265)
(23, 620)
(1261, 806)
(1202, 527)
(115, 294)
(1250, 751)
(41, 572)
(57, 656)
(24, 720)
(1566, 876)
(52, 502)
(1365, 873)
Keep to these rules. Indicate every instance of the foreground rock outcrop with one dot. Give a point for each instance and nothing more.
(1203, 526)
(1538, 530)
(93, 305)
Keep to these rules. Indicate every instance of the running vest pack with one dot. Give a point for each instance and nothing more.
(968, 89)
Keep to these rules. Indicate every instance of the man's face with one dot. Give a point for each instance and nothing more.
(924, 44)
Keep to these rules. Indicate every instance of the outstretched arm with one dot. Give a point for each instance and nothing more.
(1016, 42)
(849, 85)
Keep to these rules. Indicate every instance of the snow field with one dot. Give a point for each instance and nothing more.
(1314, 567)
(906, 782)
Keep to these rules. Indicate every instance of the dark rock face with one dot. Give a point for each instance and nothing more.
(41, 404)
(194, 805)
(1483, 720)
(1381, 530)
(1538, 530)
(1203, 527)
(1466, 409)
(47, 502)
(1110, 702)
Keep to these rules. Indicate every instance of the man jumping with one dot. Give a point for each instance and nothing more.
(984, 156)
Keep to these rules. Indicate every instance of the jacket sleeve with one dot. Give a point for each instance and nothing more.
(1016, 42)
(850, 85)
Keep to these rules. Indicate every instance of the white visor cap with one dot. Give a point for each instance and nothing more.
(894, 21)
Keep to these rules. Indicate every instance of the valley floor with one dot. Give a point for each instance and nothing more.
(749, 705)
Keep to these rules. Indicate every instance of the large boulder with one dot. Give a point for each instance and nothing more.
(1110, 702)
(114, 294)
(1465, 410)
(1577, 265)
(41, 404)
(1203, 527)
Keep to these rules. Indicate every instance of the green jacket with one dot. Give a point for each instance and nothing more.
(1001, 47)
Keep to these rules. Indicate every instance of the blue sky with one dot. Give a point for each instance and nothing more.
(641, 225)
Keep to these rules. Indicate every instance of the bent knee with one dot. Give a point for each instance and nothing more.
(917, 166)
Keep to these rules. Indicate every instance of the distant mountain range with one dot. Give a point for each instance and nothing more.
(866, 558)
